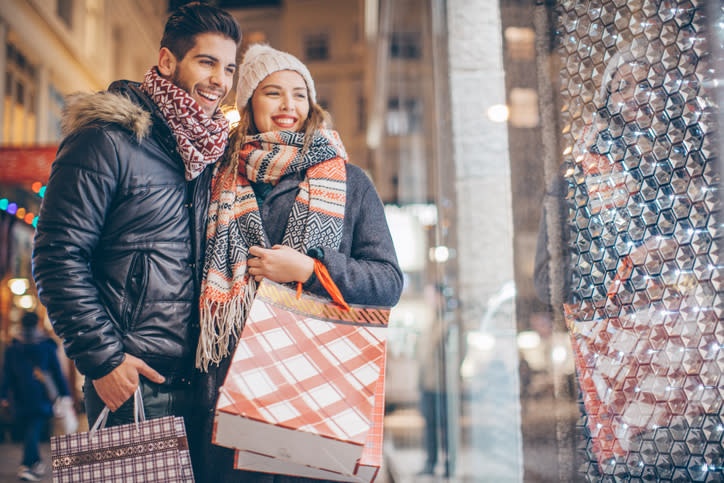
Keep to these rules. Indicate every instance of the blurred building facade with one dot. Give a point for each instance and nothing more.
(55, 47)
(328, 37)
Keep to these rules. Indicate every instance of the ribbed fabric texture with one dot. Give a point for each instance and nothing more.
(260, 60)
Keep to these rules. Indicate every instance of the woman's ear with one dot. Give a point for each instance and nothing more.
(166, 62)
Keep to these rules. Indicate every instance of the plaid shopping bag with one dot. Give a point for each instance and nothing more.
(367, 468)
(302, 385)
(154, 450)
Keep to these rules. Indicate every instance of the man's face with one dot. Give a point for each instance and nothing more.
(206, 72)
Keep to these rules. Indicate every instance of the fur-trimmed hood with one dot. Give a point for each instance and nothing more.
(82, 110)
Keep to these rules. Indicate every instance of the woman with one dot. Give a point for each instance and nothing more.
(283, 196)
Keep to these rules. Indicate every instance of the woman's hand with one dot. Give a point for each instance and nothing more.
(279, 264)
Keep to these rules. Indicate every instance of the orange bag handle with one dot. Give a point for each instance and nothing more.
(323, 275)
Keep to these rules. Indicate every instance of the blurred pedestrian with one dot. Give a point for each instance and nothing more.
(434, 396)
(31, 381)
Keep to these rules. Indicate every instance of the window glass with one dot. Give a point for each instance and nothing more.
(406, 45)
(404, 116)
(19, 113)
(316, 46)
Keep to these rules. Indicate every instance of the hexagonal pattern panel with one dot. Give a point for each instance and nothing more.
(646, 308)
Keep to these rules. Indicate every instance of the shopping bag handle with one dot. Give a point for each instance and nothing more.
(139, 413)
(323, 276)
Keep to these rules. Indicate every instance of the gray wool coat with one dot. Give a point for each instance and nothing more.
(364, 268)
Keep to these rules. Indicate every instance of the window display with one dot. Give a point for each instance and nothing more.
(645, 303)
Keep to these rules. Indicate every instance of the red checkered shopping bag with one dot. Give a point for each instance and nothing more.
(148, 450)
(301, 386)
(367, 468)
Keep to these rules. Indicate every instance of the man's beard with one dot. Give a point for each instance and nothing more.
(181, 84)
(176, 80)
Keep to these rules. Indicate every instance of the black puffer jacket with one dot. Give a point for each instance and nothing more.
(119, 241)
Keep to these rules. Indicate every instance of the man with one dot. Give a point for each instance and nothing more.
(120, 234)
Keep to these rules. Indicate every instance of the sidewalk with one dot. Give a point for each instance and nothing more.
(483, 454)
(403, 461)
(402, 465)
(10, 456)
(397, 461)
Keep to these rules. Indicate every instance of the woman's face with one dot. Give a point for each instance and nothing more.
(280, 102)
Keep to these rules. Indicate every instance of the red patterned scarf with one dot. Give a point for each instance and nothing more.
(234, 225)
(201, 139)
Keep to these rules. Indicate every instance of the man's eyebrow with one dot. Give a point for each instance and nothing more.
(211, 57)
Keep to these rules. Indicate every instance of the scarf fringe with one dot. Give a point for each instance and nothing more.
(234, 224)
(221, 326)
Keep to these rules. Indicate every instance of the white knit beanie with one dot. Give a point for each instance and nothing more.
(260, 60)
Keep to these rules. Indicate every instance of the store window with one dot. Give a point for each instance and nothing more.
(404, 116)
(638, 116)
(406, 45)
(316, 47)
(523, 107)
(520, 43)
(19, 112)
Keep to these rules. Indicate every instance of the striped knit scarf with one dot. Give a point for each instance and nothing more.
(316, 220)
(200, 139)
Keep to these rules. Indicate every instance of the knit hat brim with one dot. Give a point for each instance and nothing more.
(260, 61)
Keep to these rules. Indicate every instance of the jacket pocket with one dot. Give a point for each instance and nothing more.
(136, 285)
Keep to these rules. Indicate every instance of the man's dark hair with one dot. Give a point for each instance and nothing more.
(192, 19)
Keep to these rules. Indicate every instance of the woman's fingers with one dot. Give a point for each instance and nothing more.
(256, 251)
(279, 263)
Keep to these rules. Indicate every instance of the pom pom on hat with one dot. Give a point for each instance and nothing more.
(259, 61)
